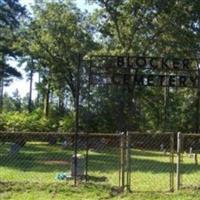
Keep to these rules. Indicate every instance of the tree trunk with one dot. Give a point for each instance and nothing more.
(198, 111)
(30, 105)
(1, 83)
(61, 103)
(1, 94)
(38, 98)
(166, 101)
(46, 101)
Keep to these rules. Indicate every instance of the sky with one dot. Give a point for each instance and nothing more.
(22, 85)
(80, 3)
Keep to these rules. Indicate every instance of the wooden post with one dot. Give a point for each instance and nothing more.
(178, 161)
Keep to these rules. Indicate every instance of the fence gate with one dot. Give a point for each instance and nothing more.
(151, 162)
(189, 161)
(103, 158)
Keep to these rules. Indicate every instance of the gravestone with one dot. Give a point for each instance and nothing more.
(80, 165)
(64, 144)
(14, 149)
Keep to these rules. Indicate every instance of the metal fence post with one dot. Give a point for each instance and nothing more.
(76, 119)
(172, 162)
(128, 161)
(86, 158)
(122, 162)
(178, 160)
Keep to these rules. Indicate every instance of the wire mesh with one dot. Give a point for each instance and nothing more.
(152, 163)
(189, 166)
(49, 158)
(104, 159)
(34, 157)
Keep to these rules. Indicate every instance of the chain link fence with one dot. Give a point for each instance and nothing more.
(152, 162)
(189, 161)
(35, 157)
(136, 161)
(104, 158)
(49, 157)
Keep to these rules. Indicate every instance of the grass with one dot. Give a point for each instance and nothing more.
(61, 191)
(31, 174)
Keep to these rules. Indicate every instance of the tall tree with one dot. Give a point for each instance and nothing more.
(30, 69)
(57, 34)
(150, 28)
(10, 13)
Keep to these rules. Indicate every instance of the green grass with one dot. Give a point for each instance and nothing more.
(31, 174)
(63, 191)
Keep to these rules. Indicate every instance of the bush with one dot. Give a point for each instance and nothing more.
(67, 123)
(2, 122)
(16, 121)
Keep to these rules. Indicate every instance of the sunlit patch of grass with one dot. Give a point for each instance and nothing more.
(38, 164)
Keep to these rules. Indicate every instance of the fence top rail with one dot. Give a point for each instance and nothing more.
(36, 133)
(57, 133)
(88, 133)
(191, 134)
(150, 133)
(102, 134)
(91, 133)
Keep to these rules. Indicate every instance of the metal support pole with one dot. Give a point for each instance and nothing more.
(76, 119)
(178, 161)
(198, 103)
(86, 158)
(88, 110)
(122, 170)
(166, 98)
(128, 162)
(172, 162)
(120, 146)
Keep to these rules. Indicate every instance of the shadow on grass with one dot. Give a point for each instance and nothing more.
(45, 158)
(41, 158)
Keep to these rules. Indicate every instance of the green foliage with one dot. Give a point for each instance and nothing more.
(35, 121)
(11, 12)
(16, 121)
(64, 34)
(67, 123)
(153, 28)
(149, 27)
(58, 32)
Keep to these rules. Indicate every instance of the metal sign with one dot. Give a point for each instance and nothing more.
(145, 71)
